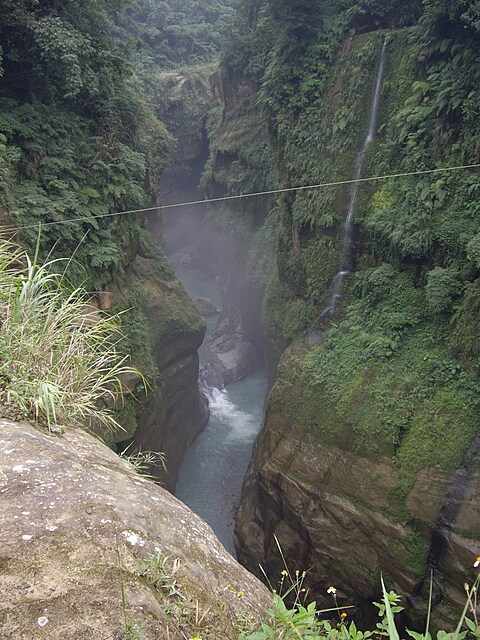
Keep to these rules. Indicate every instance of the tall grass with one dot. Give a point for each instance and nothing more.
(59, 363)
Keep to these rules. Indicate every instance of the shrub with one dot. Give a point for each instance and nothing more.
(58, 358)
(442, 286)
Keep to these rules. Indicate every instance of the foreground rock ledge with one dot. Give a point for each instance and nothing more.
(74, 521)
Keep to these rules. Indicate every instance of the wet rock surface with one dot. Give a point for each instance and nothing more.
(231, 347)
(75, 520)
(331, 510)
(206, 306)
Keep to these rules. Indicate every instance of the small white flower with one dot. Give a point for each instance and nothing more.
(477, 562)
(42, 621)
(332, 590)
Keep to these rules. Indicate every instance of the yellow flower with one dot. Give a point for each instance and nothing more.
(477, 562)
(240, 594)
(332, 590)
(343, 614)
(229, 586)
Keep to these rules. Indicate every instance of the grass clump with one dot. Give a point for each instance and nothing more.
(59, 363)
(161, 573)
(142, 461)
(307, 622)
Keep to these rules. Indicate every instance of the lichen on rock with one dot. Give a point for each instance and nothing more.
(75, 522)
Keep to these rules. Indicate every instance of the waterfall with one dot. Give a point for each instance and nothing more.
(336, 288)
(452, 503)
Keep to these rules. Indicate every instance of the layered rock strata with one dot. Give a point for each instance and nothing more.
(337, 513)
(174, 411)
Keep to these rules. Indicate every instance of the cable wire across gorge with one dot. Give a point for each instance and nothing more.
(246, 195)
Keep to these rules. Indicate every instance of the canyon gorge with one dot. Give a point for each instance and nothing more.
(340, 304)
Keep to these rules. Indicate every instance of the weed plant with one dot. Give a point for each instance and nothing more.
(160, 573)
(301, 621)
(59, 363)
(142, 461)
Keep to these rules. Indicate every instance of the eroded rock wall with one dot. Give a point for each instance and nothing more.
(168, 417)
(338, 513)
(368, 461)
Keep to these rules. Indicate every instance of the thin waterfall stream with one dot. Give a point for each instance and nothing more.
(452, 503)
(345, 267)
(211, 474)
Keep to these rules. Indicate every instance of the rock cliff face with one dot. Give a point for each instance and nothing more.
(76, 524)
(337, 512)
(183, 103)
(174, 411)
(368, 459)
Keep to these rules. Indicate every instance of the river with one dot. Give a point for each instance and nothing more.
(211, 475)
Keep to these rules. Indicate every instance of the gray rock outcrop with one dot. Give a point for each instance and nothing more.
(75, 523)
(232, 348)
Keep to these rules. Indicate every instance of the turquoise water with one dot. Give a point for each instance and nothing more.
(210, 478)
(211, 475)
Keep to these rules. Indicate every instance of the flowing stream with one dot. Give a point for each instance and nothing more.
(211, 475)
(336, 288)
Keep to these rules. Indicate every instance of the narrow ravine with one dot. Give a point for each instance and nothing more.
(211, 475)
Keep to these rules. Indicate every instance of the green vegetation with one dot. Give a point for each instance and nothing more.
(142, 461)
(59, 362)
(171, 33)
(78, 140)
(160, 572)
(394, 377)
(399, 374)
(313, 83)
(306, 622)
(184, 616)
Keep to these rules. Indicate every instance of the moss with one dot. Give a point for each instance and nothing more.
(284, 315)
(320, 257)
(351, 570)
(168, 307)
(382, 385)
(473, 533)
(413, 552)
(137, 341)
(128, 418)
(440, 432)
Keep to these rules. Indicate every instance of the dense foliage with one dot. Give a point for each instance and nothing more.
(78, 141)
(314, 85)
(59, 362)
(178, 32)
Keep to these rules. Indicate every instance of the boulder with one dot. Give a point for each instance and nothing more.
(206, 306)
(76, 525)
(231, 347)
